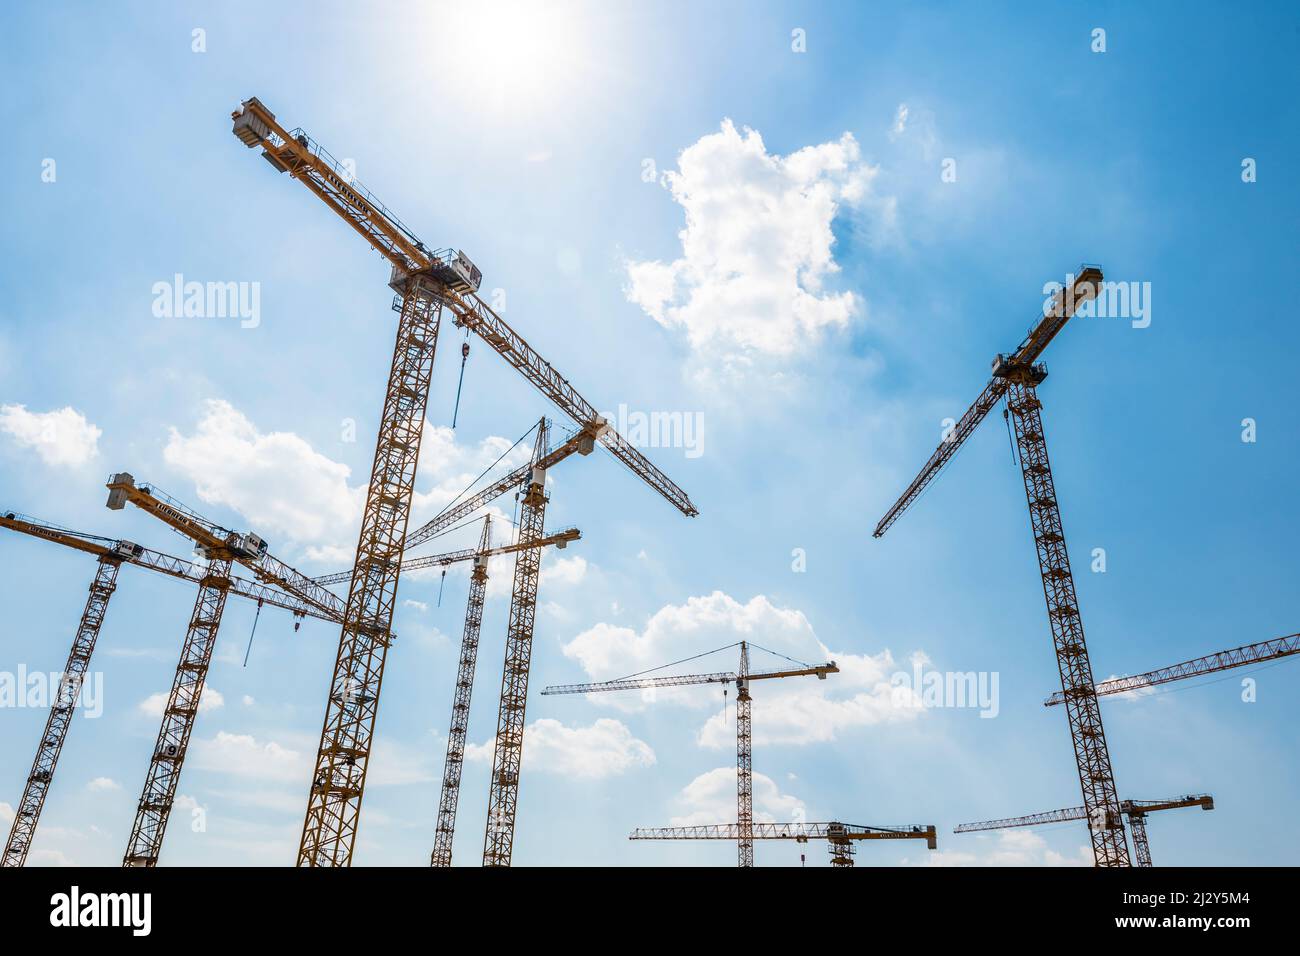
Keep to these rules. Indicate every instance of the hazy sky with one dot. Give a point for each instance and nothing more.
(808, 232)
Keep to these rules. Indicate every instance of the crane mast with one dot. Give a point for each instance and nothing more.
(179, 713)
(744, 765)
(507, 755)
(453, 764)
(1083, 711)
(343, 756)
(28, 811)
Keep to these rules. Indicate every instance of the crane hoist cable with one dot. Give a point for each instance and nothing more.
(500, 457)
(248, 650)
(464, 357)
(440, 585)
(1006, 417)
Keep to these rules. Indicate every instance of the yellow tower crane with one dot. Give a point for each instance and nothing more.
(741, 678)
(1135, 810)
(426, 282)
(221, 547)
(111, 554)
(1016, 376)
(840, 837)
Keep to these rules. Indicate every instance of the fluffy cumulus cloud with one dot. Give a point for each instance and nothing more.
(61, 438)
(243, 755)
(793, 711)
(564, 571)
(604, 749)
(103, 785)
(274, 479)
(711, 798)
(757, 244)
(287, 490)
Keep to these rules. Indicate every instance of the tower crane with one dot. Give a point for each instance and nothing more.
(1278, 647)
(111, 555)
(221, 547)
(1135, 810)
(426, 282)
(449, 795)
(1017, 376)
(744, 832)
(840, 837)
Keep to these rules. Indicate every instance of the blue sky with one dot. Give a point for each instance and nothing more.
(830, 301)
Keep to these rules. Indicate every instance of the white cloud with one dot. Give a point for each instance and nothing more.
(790, 711)
(154, 704)
(711, 798)
(415, 605)
(62, 438)
(244, 756)
(286, 489)
(274, 479)
(757, 246)
(103, 785)
(393, 763)
(564, 571)
(284, 767)
(605, 749)
(6, 812)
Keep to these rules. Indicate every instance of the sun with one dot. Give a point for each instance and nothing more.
(512, 55)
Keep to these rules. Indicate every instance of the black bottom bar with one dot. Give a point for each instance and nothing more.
(266, 905)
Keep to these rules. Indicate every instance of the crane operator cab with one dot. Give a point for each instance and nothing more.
(450, 268)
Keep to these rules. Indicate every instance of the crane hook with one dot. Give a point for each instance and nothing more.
(464, 357)
(1006, 417)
